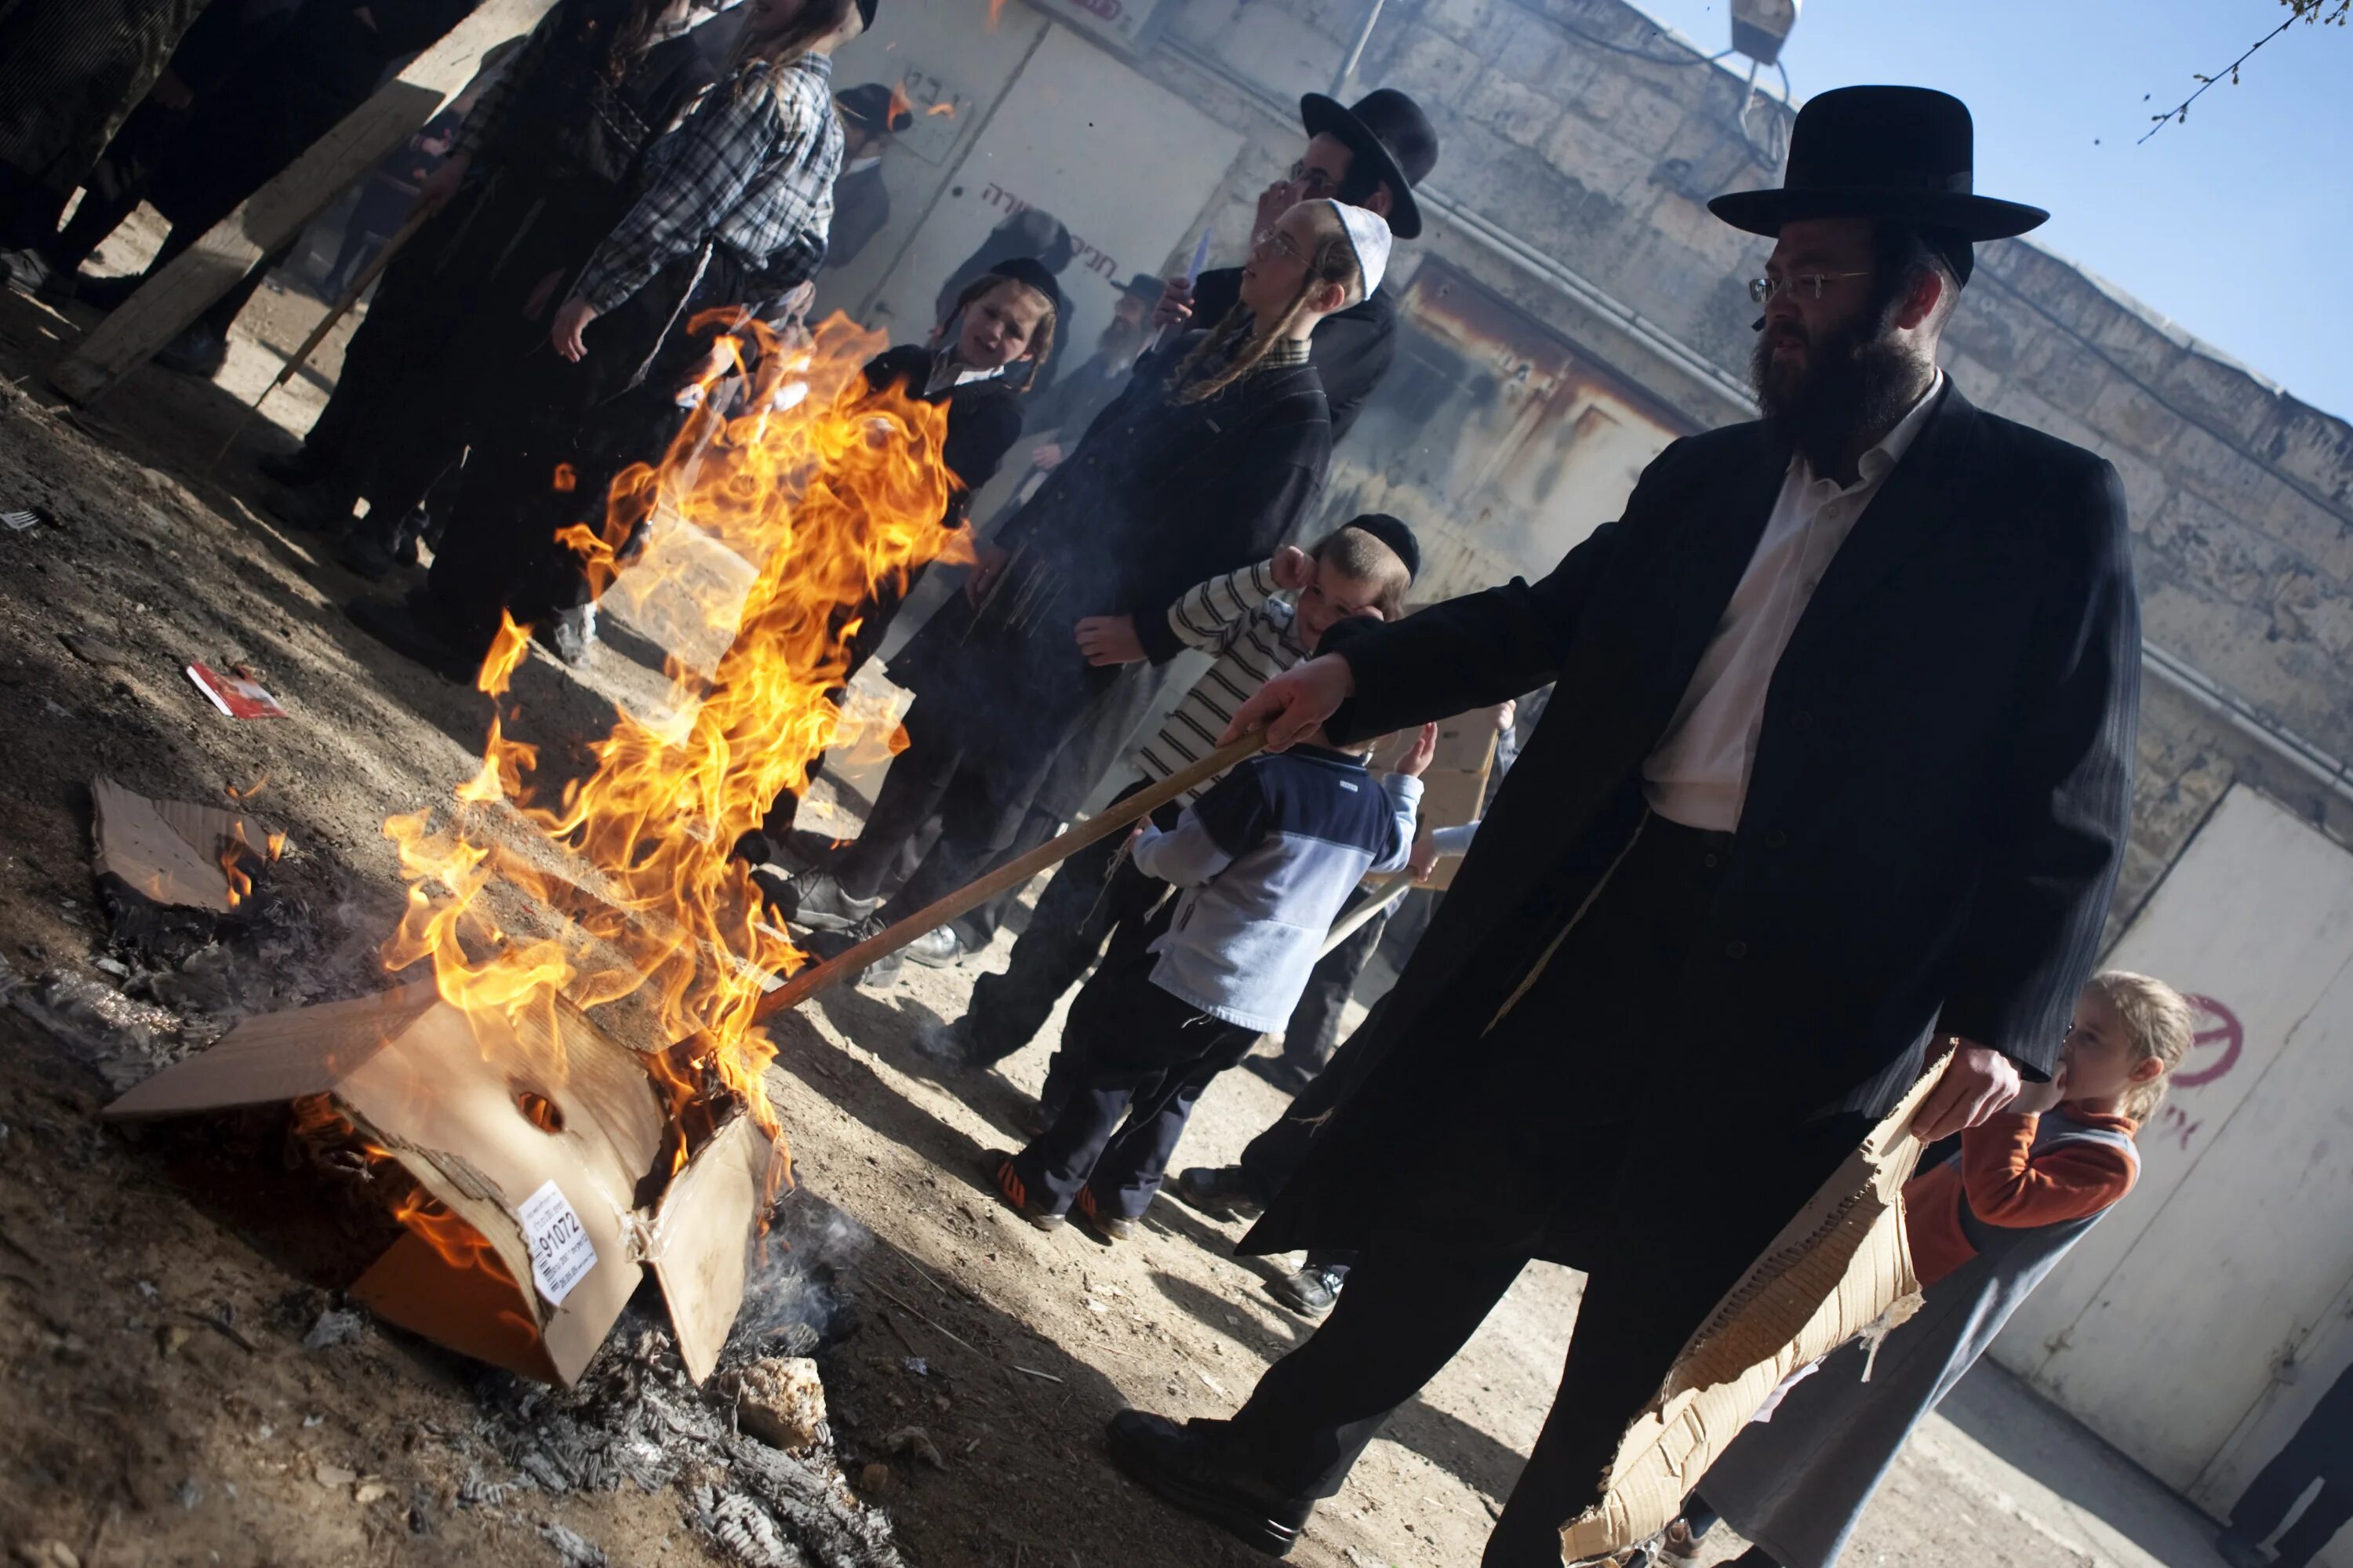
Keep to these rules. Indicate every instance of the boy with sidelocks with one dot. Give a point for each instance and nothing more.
(1262, 862)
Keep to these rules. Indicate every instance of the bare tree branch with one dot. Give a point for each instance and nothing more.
(2323, 12)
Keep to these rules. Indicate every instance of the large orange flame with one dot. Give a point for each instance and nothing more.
(824, 491)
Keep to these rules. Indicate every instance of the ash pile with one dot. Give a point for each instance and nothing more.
(204, 918)
(753, 1451)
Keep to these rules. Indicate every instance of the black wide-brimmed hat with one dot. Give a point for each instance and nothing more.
(1390, 129)
(1900, 152)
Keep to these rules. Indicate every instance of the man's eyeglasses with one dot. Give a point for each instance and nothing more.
(1275, 242)
(1804, 285)
(1313, 184)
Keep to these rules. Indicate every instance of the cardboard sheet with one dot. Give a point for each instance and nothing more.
(1832, 1273)
(538, 1139)
(167, 850)
(1456, 782)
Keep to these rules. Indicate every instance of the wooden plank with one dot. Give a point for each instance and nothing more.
(169, 302)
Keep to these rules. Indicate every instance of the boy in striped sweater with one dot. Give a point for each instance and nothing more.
(1364, 567)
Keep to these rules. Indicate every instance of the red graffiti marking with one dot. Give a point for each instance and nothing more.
(2216, 1025)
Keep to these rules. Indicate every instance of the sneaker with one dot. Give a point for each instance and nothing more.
(199, 351)
(411, 532)
(821, 904)
(998, 1172)
(571, 633)
(1183, 1466)
(937, 949)
(1221, 1191)
(1111, 1227)
(1038, 1116)
(1311, 1292)
(37, 275)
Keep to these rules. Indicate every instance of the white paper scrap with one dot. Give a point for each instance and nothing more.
(561, 1253)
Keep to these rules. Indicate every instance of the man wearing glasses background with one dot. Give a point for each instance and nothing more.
(1371, 154)
(1833, 784)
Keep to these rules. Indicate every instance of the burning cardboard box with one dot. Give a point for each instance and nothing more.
(541, 1158)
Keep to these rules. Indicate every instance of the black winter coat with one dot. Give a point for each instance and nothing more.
(1935, 816)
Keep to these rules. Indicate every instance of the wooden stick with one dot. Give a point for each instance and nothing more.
(368, 274)
(1358, 918)
(1013, 874)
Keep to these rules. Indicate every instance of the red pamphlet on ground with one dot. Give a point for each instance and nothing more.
(240, 695)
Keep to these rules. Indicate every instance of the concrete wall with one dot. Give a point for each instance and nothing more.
(1579, 147)
(1592, 141)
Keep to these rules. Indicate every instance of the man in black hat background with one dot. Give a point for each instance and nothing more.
(1835, 780)
(861, 202)
(1369, 155)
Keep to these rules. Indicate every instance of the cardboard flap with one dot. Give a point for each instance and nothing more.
(279, 1056)
(1455, 784)
(1835, 1269)
(537, 1145)
(168, 850)
(700, 1235)
(468, 1309)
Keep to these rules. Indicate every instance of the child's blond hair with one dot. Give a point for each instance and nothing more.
(2158, 1022)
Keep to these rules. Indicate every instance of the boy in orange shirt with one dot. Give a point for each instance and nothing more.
(1985, 1227)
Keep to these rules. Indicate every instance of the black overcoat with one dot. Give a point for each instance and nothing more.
(1935, 816)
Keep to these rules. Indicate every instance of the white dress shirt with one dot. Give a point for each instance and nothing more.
(1698, 776)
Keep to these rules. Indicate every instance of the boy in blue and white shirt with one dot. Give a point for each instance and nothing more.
(1263, 862)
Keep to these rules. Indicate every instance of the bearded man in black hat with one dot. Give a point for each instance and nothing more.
(1371, 154)
(1834, 781)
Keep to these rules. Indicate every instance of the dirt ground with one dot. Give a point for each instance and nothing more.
(156, 1284)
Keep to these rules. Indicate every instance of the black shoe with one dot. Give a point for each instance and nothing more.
(880, 975)
(398, 628)
(1288, 1075)
(295, 469)
(1180, 1465)
(198, 350)
(1221, 1191)
(949, 1044)
(821, 904)
(1095, 1217)
(1311, 1292)
(997, 1173)
(320, 509)
(107, 293)
(364, 553)
(937, 949)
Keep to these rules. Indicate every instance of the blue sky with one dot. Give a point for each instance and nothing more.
(2238, 224)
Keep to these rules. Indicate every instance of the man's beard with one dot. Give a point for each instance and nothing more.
(1121, 340)
(1856, 381)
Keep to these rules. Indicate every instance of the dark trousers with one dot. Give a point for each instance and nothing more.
(1144, 1057)
(1091, 894)
(1274, 1156)
(1660, 1240)
(970, 781)
(2274, 1491)
(1314, 1032)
